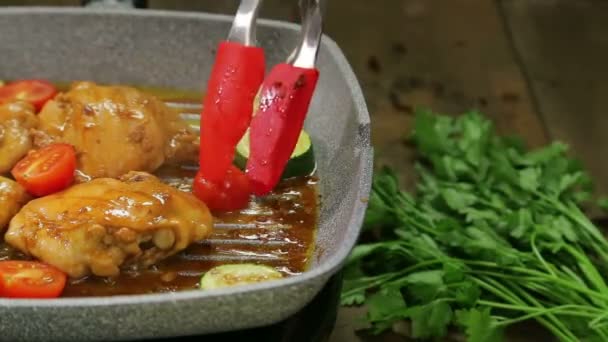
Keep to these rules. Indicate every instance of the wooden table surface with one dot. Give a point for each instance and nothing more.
(537, 68)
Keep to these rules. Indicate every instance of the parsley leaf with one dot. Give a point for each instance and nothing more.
(479, 325)
(430, 320)
(384, 308)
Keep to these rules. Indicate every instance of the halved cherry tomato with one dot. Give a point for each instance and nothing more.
(36, 92)
(231, 194)
(30, 279)
(47, 170)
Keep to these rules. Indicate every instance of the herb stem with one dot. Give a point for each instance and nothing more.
(541, 277)
(549, 316)
(539, 256)
(511, 297)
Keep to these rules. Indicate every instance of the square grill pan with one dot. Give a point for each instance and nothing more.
(173, 49)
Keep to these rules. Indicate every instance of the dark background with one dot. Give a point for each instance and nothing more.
(538, 68)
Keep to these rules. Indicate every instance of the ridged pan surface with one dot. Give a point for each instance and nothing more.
(172, 49)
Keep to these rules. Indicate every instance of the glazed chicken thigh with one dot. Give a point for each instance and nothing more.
(16, 120)
(12, 197)
(105, 224)
(115, 129)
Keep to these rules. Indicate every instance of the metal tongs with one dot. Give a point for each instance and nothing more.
(285, 96)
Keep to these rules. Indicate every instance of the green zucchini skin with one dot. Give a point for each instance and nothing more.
(302, 162)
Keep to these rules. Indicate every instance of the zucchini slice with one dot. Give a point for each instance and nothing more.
(237, 274)
(301, 163)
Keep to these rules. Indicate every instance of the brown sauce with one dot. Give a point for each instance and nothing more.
(277, 230)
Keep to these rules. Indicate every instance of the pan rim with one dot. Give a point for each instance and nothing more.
(324, 269)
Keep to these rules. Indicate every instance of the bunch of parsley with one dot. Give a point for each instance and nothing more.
(493, 235)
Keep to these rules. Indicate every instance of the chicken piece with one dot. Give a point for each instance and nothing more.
(12, 198)
(16, 119)
(183, 146)
(114, 129)
(106, 224)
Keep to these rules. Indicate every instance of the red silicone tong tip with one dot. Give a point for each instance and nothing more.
(233, 84)
(227, 107)
(285, 98)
